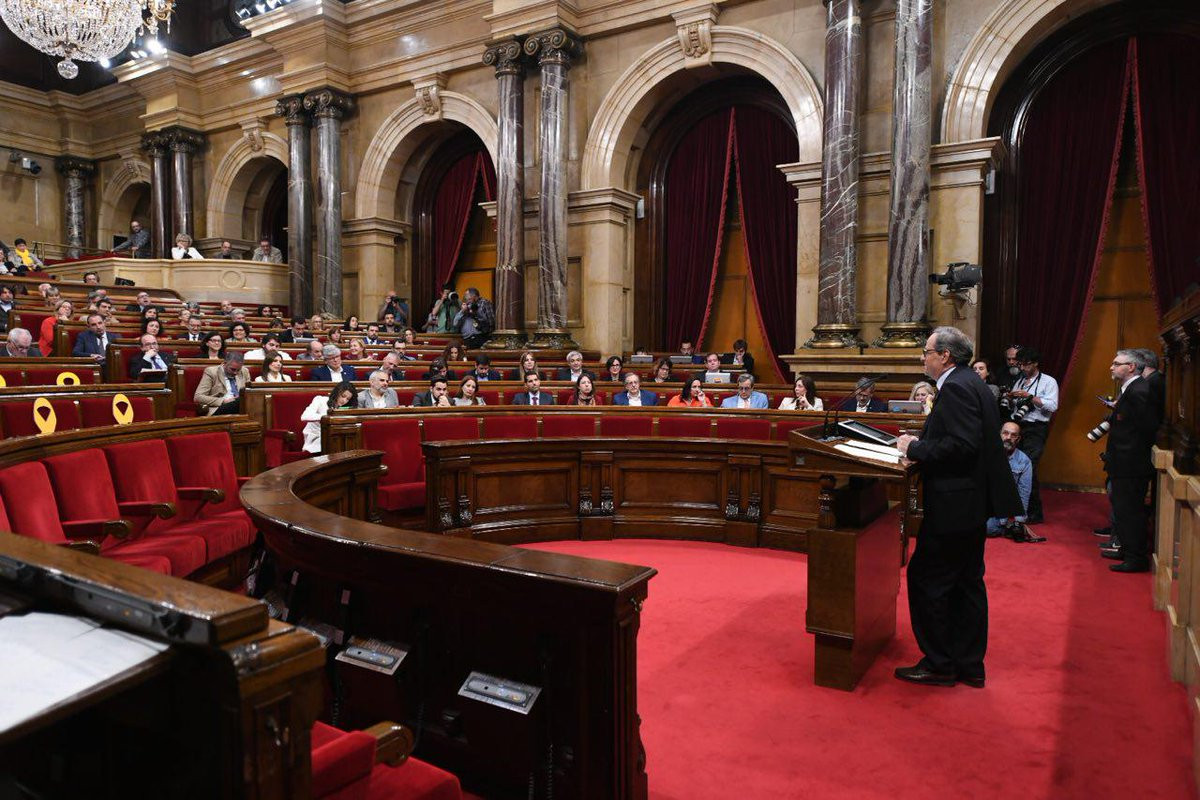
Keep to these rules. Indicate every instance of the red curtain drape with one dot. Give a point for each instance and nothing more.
(695, 191)
(768, 215)
(1167, 113)
(1068, 163)
(452, 210)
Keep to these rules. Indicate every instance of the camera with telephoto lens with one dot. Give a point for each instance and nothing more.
(453, 298)
(1020, 407)
(1019, 532)
(1097, 433)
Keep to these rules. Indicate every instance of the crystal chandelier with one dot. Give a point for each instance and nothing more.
(83, 30)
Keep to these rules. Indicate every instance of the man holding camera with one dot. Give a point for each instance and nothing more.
(444, 312)
(395, 306)
(475, 320)
(1032, 401)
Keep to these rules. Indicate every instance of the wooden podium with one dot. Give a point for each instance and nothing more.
(854, 554)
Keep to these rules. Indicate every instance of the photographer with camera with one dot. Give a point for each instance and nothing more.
(442, 317)
(475, 320)
(1031, 402)
(395, 306)
(1022, 471)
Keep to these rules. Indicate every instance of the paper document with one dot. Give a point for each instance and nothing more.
(46, 659)
(873, 455)
(885, 449)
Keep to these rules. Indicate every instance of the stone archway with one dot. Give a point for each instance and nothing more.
(120, 199)
(252, 160)
(1001, 42)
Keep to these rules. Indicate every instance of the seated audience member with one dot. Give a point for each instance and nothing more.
(526, 364)
(454, 352)
(314, 352)
(316, 325)
(266, 311)
(20, 344)
(183, 248)
(475, 320)
(334, 337)
(92, 343)
(104, 307)
(691, 396)
(212, 346)
(614, 369)
(221, 386)
(272, 369)
(468, 393)
(396, 306)
(923, 393)
(138, 243)
(585, 391)
(226, 250)
(438, 367)
(400, 350)
(739, 358)
(240, 332)
(371, 337)
(984, 370)
(341, 396)
(445, 308)
(141, 304)
(192, 330)
(804, 396)
(152, 326)
(7, 304)
(388, 324)
(150, 360)
(746, 396)
(238, 315)
(483, 369)
(409, 336)
(713, 368)
(633, 394)
(270, 345)
(50, 297)
(863, 398)
(686, 348)
(533, 394)
(1022, 471)
(149, 313)
(91, 278)
(267, 253)
(298, 332)
(226, 308)
(662, 371)
(357, 350)
(62, 313)
(350, 323)
(333, 369)
(437, 396)
(26, 260)
(390, 365)
(378, 394)
(573, 369)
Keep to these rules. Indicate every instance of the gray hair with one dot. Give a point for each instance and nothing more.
(1149, 358)
(16, 334)
(382, 372)
(746, 377)
(574, 353)
(331, 350)
(234, 355)
(233, 311)
(955, 342)
(1136, 357)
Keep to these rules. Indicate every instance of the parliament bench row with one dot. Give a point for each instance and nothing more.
(73, 407)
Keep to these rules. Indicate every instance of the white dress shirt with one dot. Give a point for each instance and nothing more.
(634, 400)
(1043, 387)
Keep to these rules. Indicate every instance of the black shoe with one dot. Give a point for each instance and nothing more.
(1105, 531)
(1113, 553)
(1111, 542)
(918, 674)
(1038, 520)
(1131, 566)
(974, 681)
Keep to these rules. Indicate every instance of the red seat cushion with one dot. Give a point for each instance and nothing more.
(783, 427)
(154, 563)
(343, 768)
(29, 501)
(491, 397)
(696, 427)
(563, 396)
(441, 429)
(401, 496)
(626, 425)
(405, 396)
(49, 376)
(12, 377)
(400, 441)
(510, 427)
(96, 412)
(568, 426)
(285, 409)
(754, 429)
(340, 760)
(5, 525)
(18, 416)
(413, 780)
(206, 459)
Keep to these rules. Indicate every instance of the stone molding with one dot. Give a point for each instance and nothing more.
(239, 154)
(74, 166)
(506, 56)
(555, 46)
(329, 103)
(694, 29)
(429, 94)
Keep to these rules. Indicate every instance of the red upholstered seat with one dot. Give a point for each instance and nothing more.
(563, 396)
(49, 376)
(568, 426)
(96, 412)
(206, 459)
(442, 429)
(753, 429)
(626, 425)
(185, 404)
(18, 416)
(491, 397)
(689, 426)
(510, 427)
(405, 396)
(12, 377)
(344, 768)
(403, 487)
(783, 427)
(284, 409)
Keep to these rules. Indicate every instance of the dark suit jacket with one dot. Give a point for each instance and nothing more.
(966, 474)
(88, 344)
(648, 398)
(492, 375)
(877, 405)
(138, 364)
(563, 374)
(289, 337)
(544, 399)
(1157, 382)
(747, 363)
(321, 373)
(423, 399)
(451, 376)
(1134, 422)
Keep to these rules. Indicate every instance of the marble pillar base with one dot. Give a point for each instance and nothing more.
(552, 340)
(506, 340)
(833, 335)
(903, 334)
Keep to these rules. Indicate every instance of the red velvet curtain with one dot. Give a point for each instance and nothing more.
(768, 214)
(1166, 77)
(452, 210)
(1070, 146)
(695, 191)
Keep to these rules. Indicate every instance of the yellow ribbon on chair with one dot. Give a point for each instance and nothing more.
(122, 409)
(46, 422)
(68, 378)
(3, 382)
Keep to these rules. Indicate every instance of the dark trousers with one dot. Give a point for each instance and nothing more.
(1128, 497)
(948, 601)
(1033, 444)
(232, 407)
(476, 340)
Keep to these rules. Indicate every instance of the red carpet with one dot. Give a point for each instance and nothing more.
(1078, 703)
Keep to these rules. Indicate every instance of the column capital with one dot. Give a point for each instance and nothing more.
(74, 166)
(155, 143)
(555, 46)
(507, 56)
(183, 140)
(329, 103)
(291, 108)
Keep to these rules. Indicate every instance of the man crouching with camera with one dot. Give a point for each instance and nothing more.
(1032, 401)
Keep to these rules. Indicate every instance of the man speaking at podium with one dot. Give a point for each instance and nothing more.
(967, 480)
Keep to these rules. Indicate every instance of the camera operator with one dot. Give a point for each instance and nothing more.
(1022, 472)
(1033, 399)
(475, 320)
(395, 306)
(442, 317)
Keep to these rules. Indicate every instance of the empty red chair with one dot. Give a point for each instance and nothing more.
(568, 426)
(403, 487)
(12, 377)
(344, 768)
(694, 427)
(283, 440)
(783, 427)
(185, 404)
(626, 425)
(563, 396)
(18, 416)
(444, 429)
(49, 376)
(510, 427)
(405, 396)
(206, 460)
(96, 412)
(749, 429)
(492, 398)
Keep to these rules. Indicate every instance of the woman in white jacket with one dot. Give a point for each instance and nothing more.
(804, 397)
(342, 396)
(183, 248)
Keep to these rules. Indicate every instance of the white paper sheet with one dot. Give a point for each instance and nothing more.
(873, 455)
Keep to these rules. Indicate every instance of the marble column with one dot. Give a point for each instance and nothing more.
(184, 144)
(328, 108)
(509, 300)
(75, 172)
(837, 286)
(156, 145)
(553, 49)
(300, 204)
(912, 138)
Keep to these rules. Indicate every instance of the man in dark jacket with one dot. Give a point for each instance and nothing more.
(967, 480)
